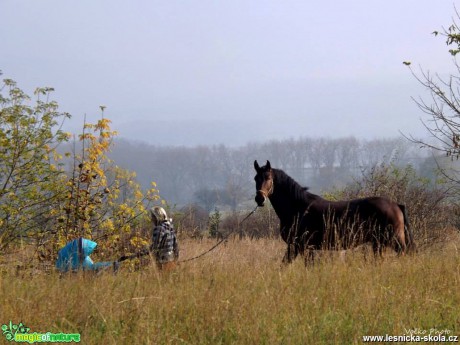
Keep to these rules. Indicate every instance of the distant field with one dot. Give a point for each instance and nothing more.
(239, 294)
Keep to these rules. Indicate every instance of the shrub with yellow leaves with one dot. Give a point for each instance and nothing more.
(103, 201)
(42, 202)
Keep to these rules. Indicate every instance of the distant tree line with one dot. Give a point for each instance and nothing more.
(211, 176)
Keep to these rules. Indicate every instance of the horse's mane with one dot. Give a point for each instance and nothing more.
(295, 189)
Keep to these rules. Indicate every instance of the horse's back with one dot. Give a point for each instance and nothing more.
(376, 205)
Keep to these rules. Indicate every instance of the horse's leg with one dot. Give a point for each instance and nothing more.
(288, 235)
(366, 252)
(287, 257)
(399, 245)
(378, 249)
(400, 239)
(309, 259)
(290, 255)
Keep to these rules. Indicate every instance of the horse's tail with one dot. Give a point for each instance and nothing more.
(408, 234)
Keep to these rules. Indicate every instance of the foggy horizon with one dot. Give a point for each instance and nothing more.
(231, 73)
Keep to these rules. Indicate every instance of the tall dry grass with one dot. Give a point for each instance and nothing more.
(239, 294)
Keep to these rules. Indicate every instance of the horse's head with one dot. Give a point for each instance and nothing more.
(264, 182)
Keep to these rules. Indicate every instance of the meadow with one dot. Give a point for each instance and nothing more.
(240, 294)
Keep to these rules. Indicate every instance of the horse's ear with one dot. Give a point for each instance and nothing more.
(256, 166)
(268, 166)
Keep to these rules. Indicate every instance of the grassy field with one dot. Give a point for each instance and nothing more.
(239, 294)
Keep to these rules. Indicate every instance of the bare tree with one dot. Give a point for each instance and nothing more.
(443, 107)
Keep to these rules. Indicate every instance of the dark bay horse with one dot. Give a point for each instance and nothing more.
(308, 222)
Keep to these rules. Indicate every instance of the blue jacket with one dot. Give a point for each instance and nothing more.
(75, 255)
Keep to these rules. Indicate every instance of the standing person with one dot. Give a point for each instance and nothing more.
(164, 245)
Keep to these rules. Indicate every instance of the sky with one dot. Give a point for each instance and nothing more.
(207, 72)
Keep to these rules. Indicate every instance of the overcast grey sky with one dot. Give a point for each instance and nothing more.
(210, 72)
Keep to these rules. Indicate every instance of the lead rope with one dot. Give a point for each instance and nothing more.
(146, 251)
(222, 240)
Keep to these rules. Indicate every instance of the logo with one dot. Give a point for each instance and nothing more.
(21, 334)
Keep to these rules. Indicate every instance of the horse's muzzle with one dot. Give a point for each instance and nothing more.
(260, 199)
